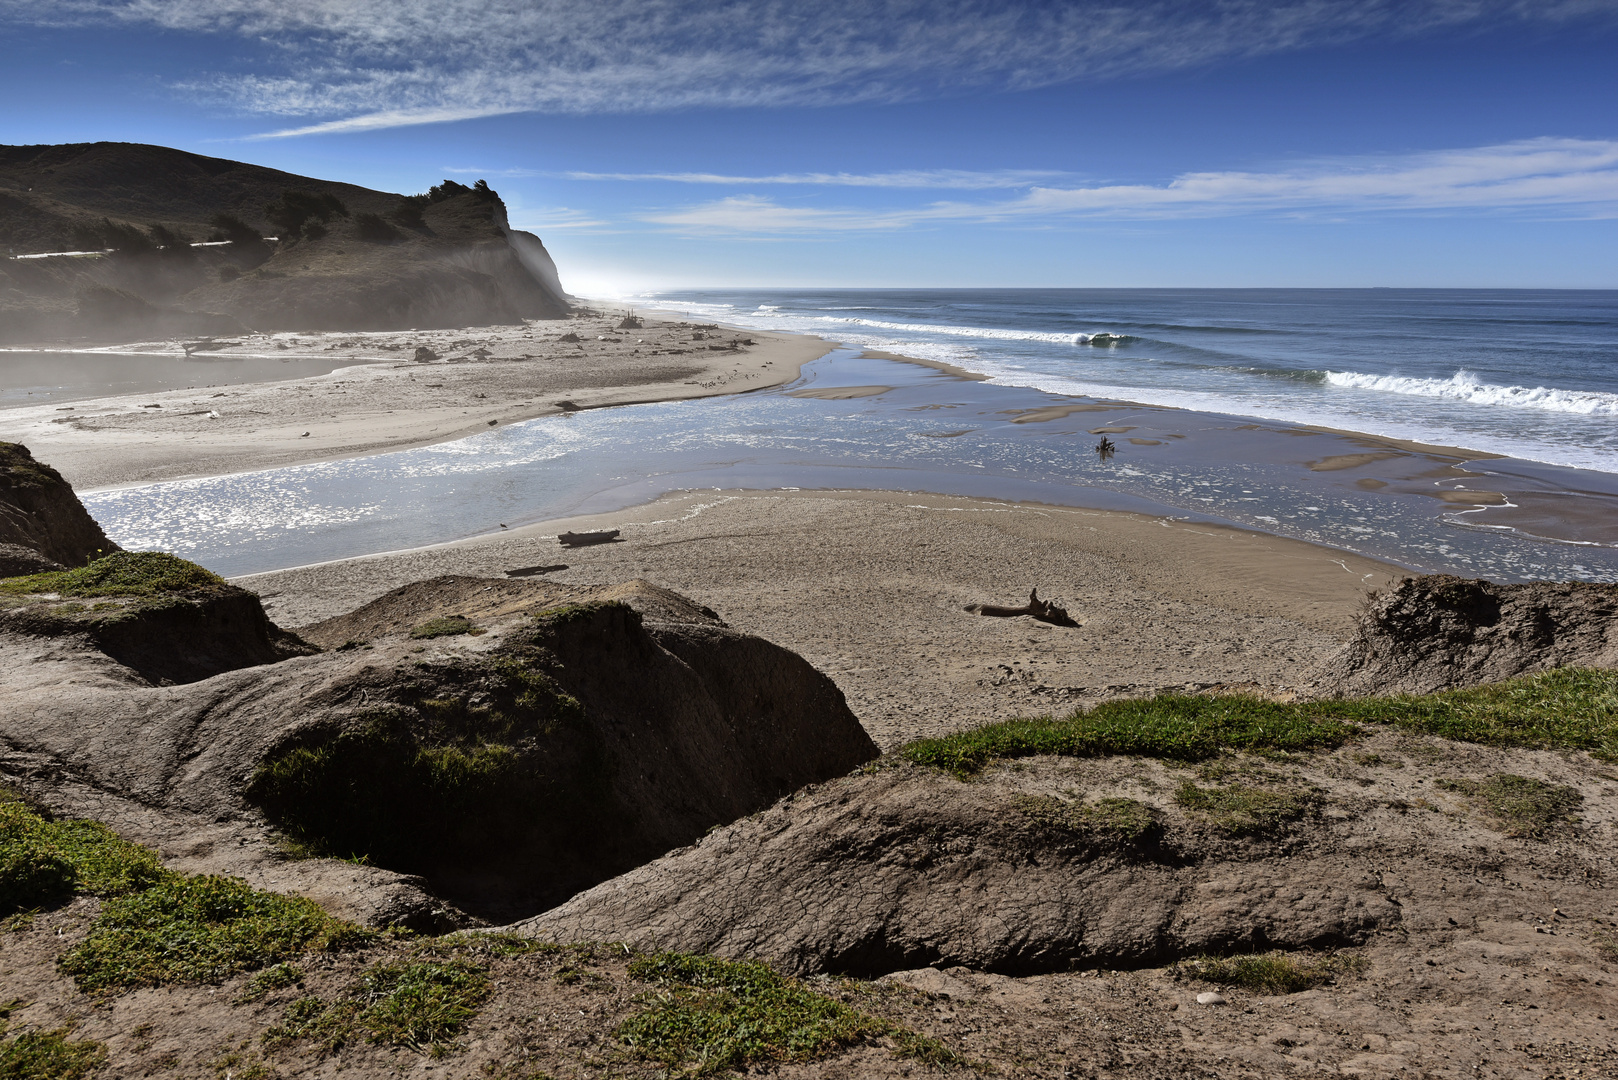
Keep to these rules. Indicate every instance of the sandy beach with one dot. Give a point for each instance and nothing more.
(477, 378)
(871, 587)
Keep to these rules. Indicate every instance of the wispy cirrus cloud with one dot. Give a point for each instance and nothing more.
(357, 65)
(937, 179)
(1573, 176)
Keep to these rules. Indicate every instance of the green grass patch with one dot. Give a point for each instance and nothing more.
(1243, 810)
(1179, 727)
(44, 862)
(273, 978)
(1120, 819)
(1527, 807)
(1564, 709)
(927, 1050)
(48, 1055)
(421, 1004)
(1569, 708)
(445, 626)
(123, 573)
(199, 929)
(709, 1015)
(1272, 972)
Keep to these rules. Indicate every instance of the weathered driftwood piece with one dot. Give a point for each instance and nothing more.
(530, 571)
(573, 539)
(1043, 610)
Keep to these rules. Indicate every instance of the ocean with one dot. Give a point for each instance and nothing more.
(1461, 431)
(1527, 374)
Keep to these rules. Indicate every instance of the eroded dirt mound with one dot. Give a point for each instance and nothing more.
(40, 513)
(511, 767)
(1439, 632)
(1045, 864)
(907, 868)
(481, 601)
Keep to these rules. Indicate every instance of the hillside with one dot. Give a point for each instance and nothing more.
(337, 257)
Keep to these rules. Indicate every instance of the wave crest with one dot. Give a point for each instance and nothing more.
(991, 332)
(1464, 386)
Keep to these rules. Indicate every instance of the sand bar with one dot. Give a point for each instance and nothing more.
(481, 377)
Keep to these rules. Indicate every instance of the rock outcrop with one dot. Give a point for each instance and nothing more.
(1439, 632)
(43, 526)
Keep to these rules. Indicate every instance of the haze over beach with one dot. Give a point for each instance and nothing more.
(562, 540)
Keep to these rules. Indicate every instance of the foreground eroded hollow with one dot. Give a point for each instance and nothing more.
(512, 743)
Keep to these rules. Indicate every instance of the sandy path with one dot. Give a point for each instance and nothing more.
(482, 377)
(870, 588)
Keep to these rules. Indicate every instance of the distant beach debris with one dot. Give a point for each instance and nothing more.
(1043, 610)
(631, 322)
(425, 355)
(1106, 448)
(533, 571)
(584, 539)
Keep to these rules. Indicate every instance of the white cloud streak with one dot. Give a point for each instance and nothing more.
(1569, 176)
(936, 179)
(357, 65)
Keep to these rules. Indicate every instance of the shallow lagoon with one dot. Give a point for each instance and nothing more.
(926, 432)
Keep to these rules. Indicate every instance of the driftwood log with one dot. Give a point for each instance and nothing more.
(1043, 610)
(530, 571)
(573, 539)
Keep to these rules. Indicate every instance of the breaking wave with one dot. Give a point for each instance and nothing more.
(1464, 386)
(989, 332)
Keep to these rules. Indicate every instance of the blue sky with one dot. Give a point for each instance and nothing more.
(906, 143)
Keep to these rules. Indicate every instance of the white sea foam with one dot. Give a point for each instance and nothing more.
(990, 332)
(1464, 386)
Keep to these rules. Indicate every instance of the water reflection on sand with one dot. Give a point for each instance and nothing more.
(906, 428)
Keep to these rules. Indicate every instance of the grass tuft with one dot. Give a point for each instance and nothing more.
(709, 1015)
(1272, 972)
(1178, 727)
(199, 929)
(1563, 709)
(1243, 810)
(421, 1005)
(1117, 819)
(1568, 708)
(43, 863)
(48, 1055)
(444, 626)
(275, 977)
(1527, 807)
(123, 573)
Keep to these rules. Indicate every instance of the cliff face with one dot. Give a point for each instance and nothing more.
(342, 258)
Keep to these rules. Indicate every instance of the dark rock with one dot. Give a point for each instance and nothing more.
(16, 560)
(1439, 632)
(39, 512)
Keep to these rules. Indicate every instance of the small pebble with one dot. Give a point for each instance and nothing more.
(1210, 998)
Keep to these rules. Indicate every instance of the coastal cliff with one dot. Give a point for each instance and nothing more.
(171, 243)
